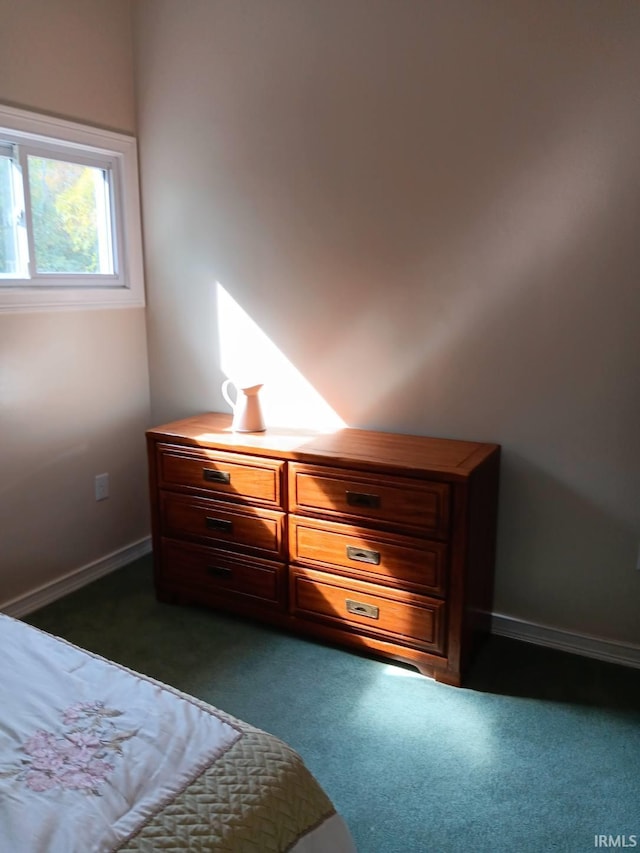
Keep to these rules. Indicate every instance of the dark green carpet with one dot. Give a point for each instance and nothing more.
(539, 752)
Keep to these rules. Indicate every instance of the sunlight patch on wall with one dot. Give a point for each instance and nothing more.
(248, 357)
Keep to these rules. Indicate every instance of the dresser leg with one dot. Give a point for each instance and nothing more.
(453, 679)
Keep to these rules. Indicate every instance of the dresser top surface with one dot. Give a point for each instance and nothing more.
(346, 446)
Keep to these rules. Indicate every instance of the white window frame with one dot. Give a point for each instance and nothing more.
(94, 146)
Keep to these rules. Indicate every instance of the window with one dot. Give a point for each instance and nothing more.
(70, 232)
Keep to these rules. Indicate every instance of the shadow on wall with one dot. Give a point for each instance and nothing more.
(550, 546)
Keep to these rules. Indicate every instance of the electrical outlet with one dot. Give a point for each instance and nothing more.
(102, 487)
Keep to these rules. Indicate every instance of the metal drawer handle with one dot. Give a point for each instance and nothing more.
(363, 499)
(219, 571)
(363, 555)
(219, 524)
(360, 609)
(211, 475)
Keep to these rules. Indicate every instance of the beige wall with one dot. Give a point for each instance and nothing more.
(70, 58)
(431, 209)
(74, 395)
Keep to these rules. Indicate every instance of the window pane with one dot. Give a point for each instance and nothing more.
(10, 215)
(70, 209)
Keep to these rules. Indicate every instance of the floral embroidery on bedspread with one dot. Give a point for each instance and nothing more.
(78, 757)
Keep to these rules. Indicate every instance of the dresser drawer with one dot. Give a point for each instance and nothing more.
(416, 505)
(227, 476)
(404, 618)
(401, 561)
(225, 526)
(223, 575)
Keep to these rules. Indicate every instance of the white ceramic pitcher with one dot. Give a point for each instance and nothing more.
(247, 411)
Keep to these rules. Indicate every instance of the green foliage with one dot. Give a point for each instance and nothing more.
(63, 207)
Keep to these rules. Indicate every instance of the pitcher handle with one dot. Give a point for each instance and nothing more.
(229, 383)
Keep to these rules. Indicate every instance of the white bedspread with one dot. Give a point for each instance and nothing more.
(76, 740)
(96, 758)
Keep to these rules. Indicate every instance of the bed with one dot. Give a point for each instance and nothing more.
(95, 757)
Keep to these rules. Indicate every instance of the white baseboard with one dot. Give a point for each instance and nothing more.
(49, 592)
(578, 644)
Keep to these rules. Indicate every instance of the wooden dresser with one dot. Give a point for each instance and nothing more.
(380, 542)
